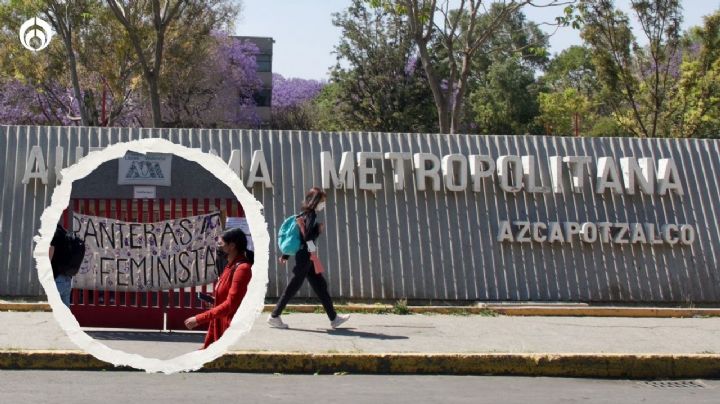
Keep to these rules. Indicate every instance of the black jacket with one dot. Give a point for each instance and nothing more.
(312, 226)
(61, 250)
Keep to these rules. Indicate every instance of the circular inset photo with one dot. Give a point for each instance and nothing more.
(153, 241)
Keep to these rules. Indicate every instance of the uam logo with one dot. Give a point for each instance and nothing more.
(144, 169)
(35, 34)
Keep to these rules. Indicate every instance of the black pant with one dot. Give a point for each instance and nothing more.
(304, 269)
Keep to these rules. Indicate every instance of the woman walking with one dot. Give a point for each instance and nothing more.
(306, 263)
(230, 288)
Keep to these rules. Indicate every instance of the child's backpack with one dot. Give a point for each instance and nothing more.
(289, 239)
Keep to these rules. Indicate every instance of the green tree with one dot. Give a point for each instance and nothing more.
(698, 97)
(153, 26)
(217, 89)
(328, 111)
(561, 111)
(515, 36)
(506, 100)
(106, 66)
(95, 56)
(376, 84)
(637, 81)
(57, 67)
(458, 27)
(572, 68)
(505, 63)
(570, 100)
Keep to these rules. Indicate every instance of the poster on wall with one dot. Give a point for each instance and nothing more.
(162, 255)
(145, 169)
(242, 224)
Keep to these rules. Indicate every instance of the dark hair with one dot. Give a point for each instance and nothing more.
(237, 237)
(312, 199)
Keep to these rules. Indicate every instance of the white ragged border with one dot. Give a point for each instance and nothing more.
(249, 309)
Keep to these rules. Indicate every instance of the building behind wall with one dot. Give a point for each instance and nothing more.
(263, 98)
(260, 114)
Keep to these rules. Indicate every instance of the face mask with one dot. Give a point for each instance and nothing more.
(320, 206)
(221, 255)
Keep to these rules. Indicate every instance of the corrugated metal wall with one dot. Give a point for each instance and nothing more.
(424, 244)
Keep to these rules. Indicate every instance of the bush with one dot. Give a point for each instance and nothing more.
(401, 307)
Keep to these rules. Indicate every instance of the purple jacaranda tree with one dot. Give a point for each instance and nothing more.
(240, 62)
(294, 91)
(292, 102)
(55, 104)
(237, 60)
(46, 104)
(217, 90)
(411, 65)
(20, 105)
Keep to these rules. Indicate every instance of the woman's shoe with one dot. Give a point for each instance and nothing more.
(339, 319)
(276, 322)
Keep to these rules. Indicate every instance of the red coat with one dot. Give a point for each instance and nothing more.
(228, 295)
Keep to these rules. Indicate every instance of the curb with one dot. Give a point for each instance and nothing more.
(588, 311)
(550, 365)
(507, 309)
(24, 307)
(630, 366)
(387, 309)
(52, 360)
(485, 309)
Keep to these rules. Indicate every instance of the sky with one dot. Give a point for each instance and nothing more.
(305, 37)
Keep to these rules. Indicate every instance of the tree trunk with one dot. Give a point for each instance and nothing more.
(155, 77)
(151, 74)
(459, 97)
(152, 81)
(441, 104)
(72, 62)
(63, 28)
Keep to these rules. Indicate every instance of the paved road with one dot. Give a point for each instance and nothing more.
(129, 387)
(392, 333)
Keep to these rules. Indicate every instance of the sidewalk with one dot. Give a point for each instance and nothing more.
(418, 343)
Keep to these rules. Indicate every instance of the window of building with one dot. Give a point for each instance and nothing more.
(263, 98)
(264, 63)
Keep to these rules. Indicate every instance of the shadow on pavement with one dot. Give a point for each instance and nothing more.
(151, 336)
(350, 332)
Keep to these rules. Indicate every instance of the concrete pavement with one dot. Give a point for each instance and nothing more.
(373, 343)
(30, 387)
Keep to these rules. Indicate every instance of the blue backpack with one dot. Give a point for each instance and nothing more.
(289, 239)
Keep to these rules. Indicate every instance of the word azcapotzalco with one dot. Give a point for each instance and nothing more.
(589, 232)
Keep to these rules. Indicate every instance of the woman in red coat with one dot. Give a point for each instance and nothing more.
(230, 288)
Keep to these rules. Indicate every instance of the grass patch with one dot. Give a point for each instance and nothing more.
(401, 307)
(488, 313)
